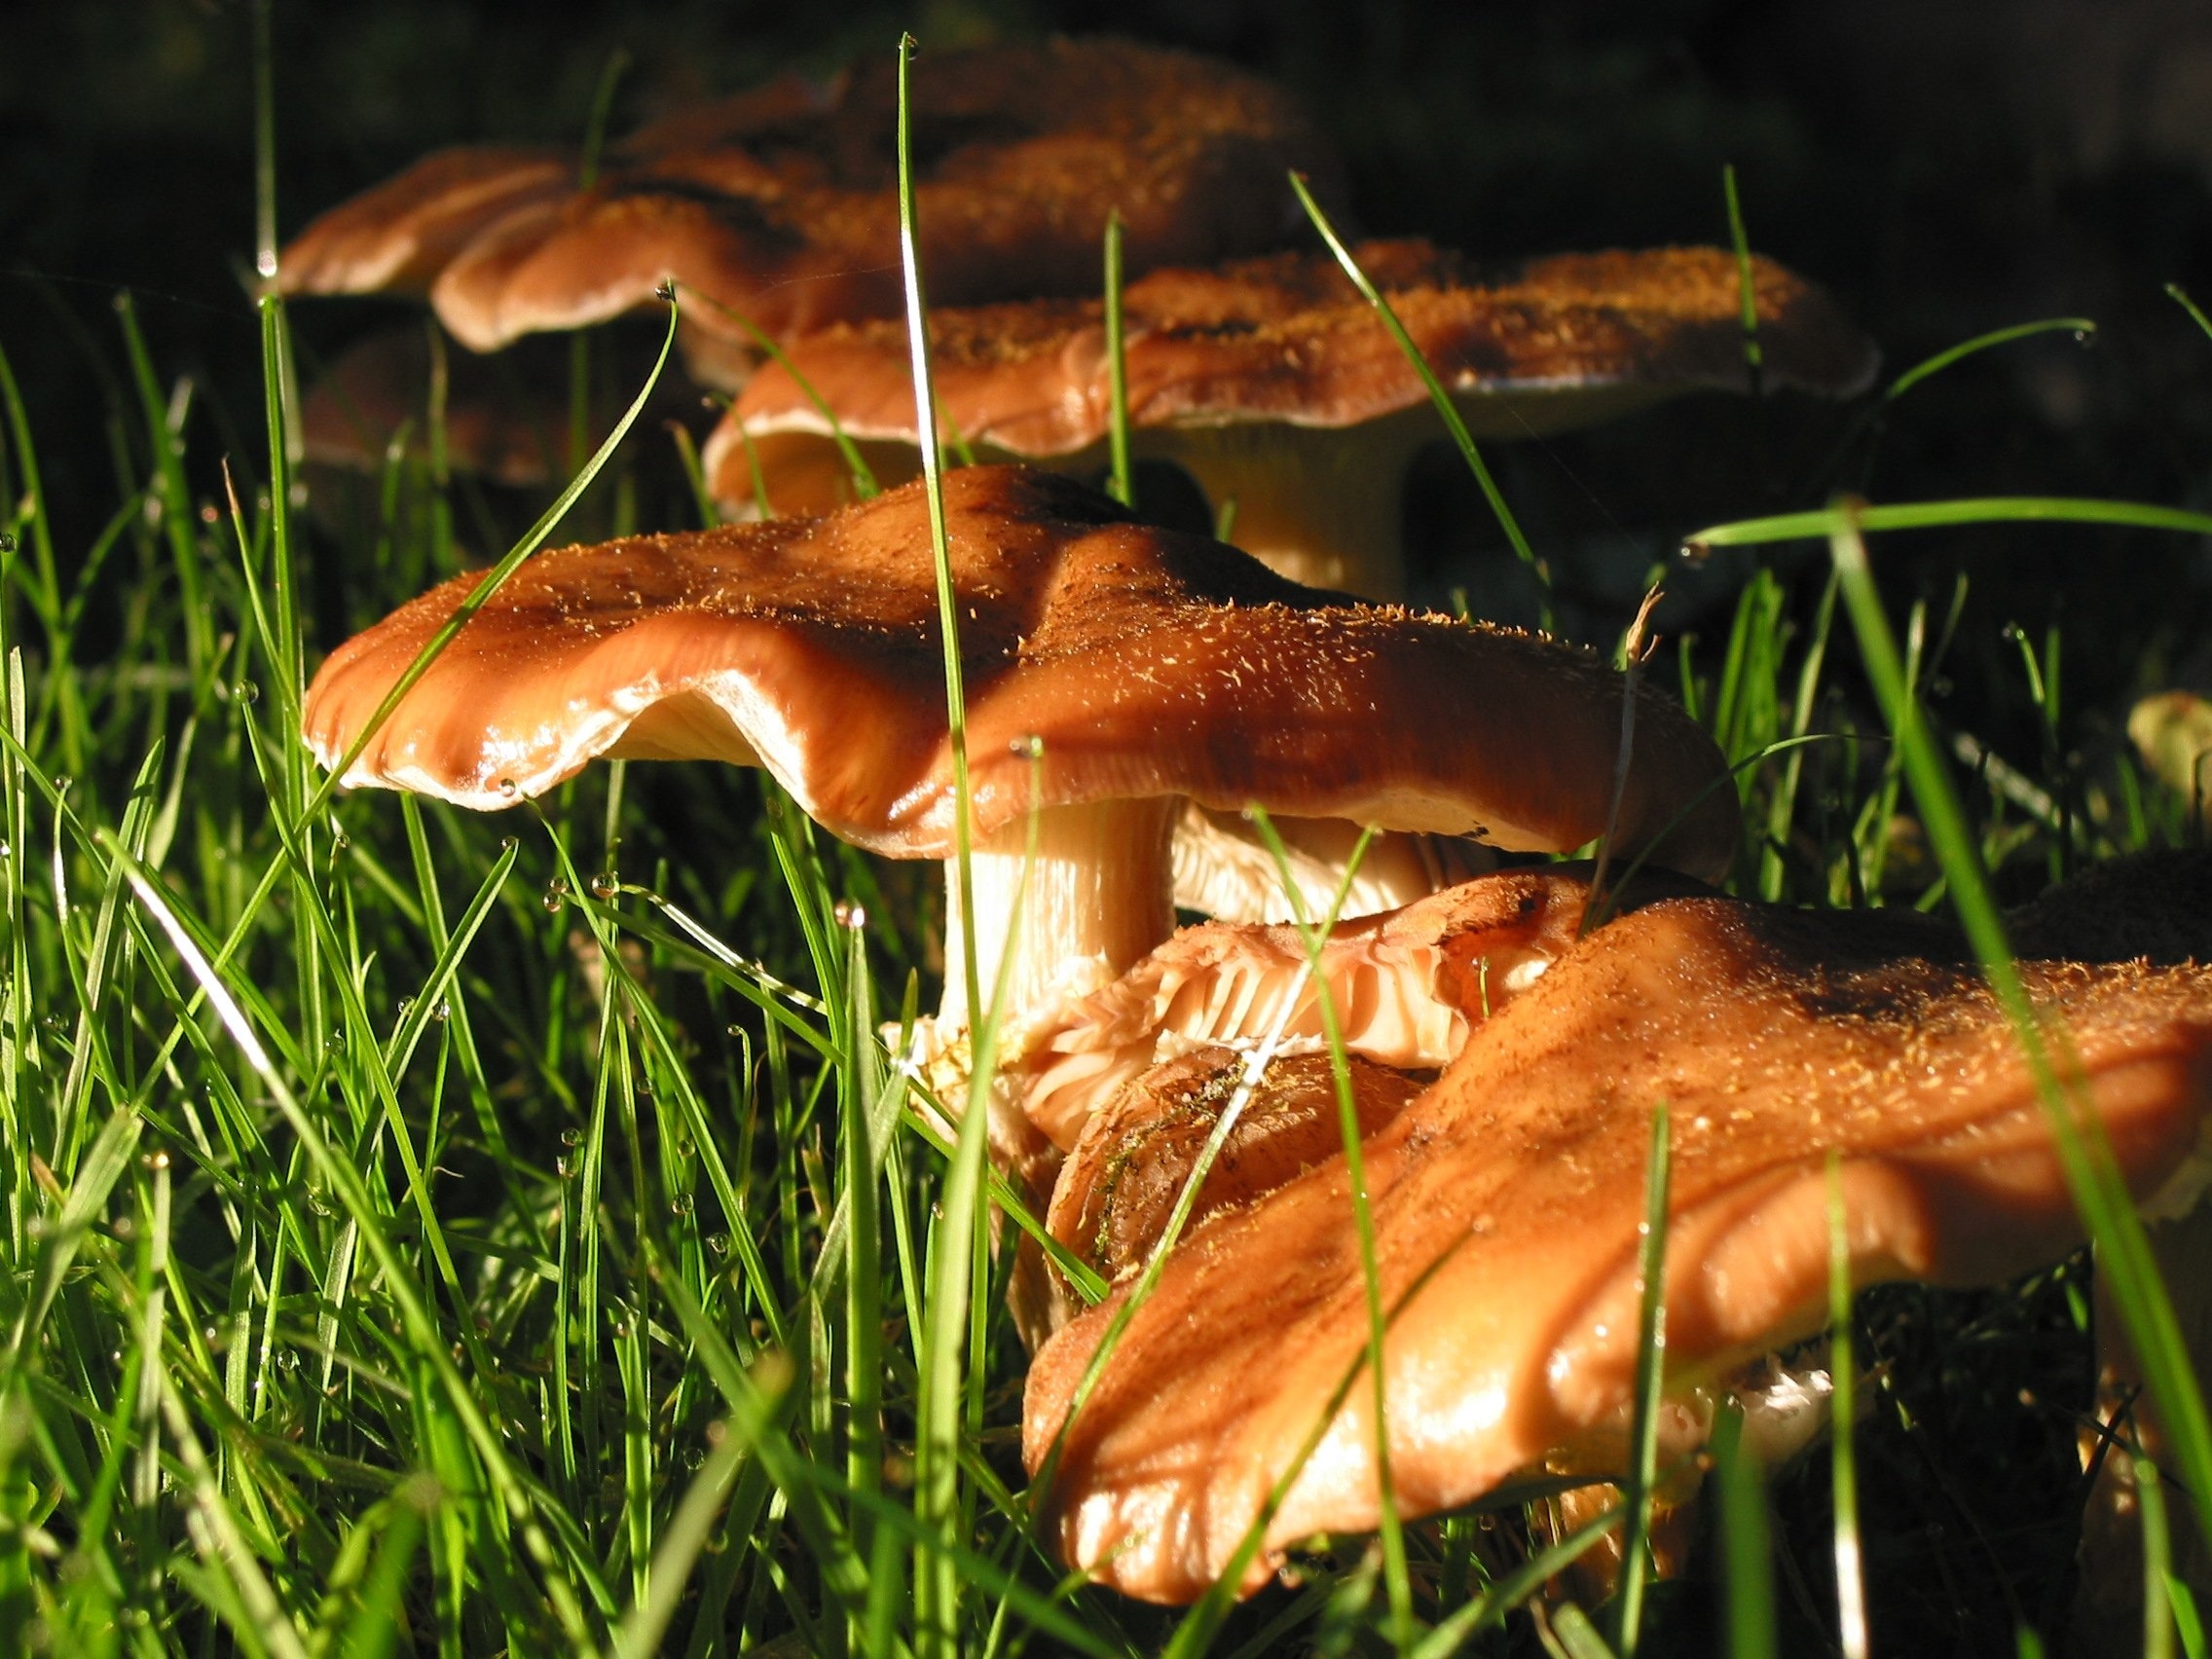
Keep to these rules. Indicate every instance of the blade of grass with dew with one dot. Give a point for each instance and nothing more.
(1440, 399)
(1650, 1380)
(1850, 1580)
(2124, 1253)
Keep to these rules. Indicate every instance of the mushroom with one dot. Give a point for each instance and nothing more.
(1272, 382)
(1406, 986)
(780, 204)
(1506, 1201)
(1153, 667)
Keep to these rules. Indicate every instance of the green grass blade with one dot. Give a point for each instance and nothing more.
(1937, 515)
(1850, 1579)
(1755, 358)
(1747, 1569)
(1650, 1380)
(1118, 484)
(1438, 396)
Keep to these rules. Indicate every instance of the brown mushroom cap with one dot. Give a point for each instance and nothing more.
(397, 237)
(1506, 1202)
(1287, 337)
(1149, 663)
(781, 202)
(1525, 350)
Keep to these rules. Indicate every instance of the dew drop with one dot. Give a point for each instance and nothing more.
(850, 915)
(2085, 336)
(7, 542)
(509, 788)
(679, 1206)
(406, 1007)
(157, 1160)
(1028, 747)
(556, 895)
(247, 691)
(208, 514)
(442, 1012)
(719, 1243)
(572, 1137)
(606, 885)
(507, 843)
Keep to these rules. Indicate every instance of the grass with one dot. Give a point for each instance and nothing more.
(436, 1233)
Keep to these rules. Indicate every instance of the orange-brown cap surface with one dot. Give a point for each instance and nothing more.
(781, 202)
(1506, 1204)
(1149, 663)
(1525, 348)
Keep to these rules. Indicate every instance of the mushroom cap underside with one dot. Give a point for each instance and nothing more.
(1562, 340)
(1506, 1201)
(1148, 662)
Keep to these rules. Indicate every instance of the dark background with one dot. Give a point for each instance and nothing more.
(1945, 169)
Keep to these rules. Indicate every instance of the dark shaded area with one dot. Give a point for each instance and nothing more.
(1945, 171)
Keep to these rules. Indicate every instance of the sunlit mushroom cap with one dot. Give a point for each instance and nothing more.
(1148, 663)
(1506, 1202)
(398, 236)
(1525, 350)
(781, 202)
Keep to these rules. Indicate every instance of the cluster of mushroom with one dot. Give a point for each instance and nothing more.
(1505, 1061)
(1131, 689)
(1264, 377)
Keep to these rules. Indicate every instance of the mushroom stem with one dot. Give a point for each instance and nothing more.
(1097, 898)
(1319, 504)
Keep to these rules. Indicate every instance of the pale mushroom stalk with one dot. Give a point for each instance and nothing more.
(1318, 504)
(1096, 897)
